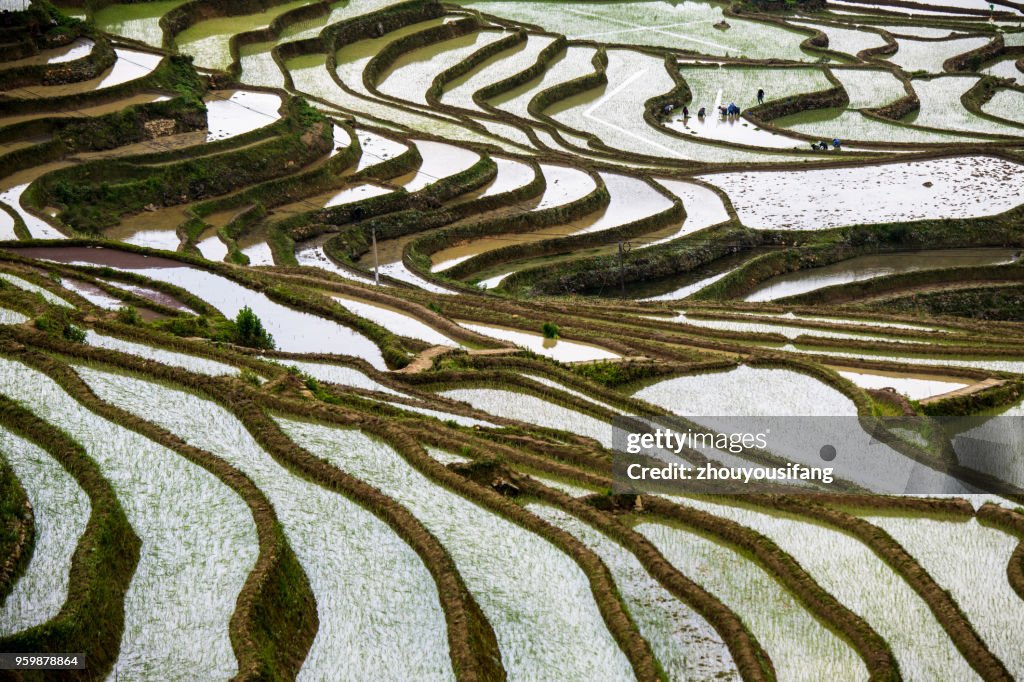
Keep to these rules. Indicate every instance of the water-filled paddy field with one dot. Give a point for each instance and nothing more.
(321, 322)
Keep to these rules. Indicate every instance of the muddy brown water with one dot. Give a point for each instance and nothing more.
(878, 265)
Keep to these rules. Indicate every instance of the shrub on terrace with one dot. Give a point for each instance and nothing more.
(249, 330)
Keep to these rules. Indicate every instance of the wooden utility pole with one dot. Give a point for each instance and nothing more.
(376, 268)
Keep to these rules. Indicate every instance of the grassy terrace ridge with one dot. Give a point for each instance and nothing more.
(399, 277)
(101, 567)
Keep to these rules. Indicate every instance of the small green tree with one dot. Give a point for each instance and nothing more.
(550, 330)
(249, 330)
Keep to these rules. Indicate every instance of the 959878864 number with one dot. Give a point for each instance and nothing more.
(39, 661)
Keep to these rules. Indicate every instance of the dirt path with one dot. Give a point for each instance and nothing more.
(425, 360)
(966, 390)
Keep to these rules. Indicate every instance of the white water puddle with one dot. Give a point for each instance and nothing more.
(915, 388)
(445, 416)
(211, 247)
(1005, 68)
(837, 320)
(50, 297)
(293, 331)
(396, 321)
(60, 512)
(37, 227)
(440, 160)
(198, 537)
(556, 349)
(338, 374)
(387, 621)
(153, 295)
(164, 240)
(847, 40)
(257, 250)
(7, 224)
(235, 112)
(963, 187)
(567, 488)
(311, 254)
(445, 457)
(11, 317)
(357, 192)
(511, 175)
(941, 107)
(492, 282)
(879, 265)
(192, 363)
(92, 293)
(928, 55)
(747, 391)
(870, 88)
(532, 410)
(258, 66)
(858, 8)
(703, 208)
(399, 271)
(925, 31)
(128, 65)
(631, 199)
(994, 364)
(520, 580)
(765, 328)
(551, 383)
(76, 49)
(690, 289)
(564, 185)
(376, 148)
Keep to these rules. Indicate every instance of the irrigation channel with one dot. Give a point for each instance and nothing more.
(322, 326)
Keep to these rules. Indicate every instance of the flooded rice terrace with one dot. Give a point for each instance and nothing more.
(325, 327)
